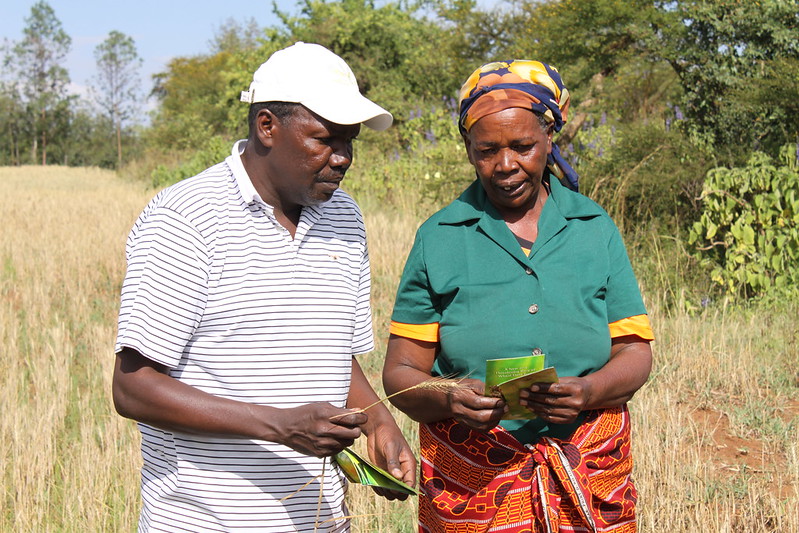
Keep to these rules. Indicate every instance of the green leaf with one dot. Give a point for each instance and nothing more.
(749, 235)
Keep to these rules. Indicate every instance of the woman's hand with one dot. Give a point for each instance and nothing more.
(470, 407)
(407, 367)
(558, 403)
(610, 386)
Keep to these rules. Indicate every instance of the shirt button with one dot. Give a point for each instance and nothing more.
(528, 271)
(537, 351)
(533, 309)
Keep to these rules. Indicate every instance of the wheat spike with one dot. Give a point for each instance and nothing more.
(437, 383)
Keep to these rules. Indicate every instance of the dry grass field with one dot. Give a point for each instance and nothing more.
(716, 429)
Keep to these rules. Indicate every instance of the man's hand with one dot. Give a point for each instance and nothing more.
(144, 391)
(389, 450)
(320, 429)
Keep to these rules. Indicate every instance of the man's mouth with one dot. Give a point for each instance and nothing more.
(335, 180)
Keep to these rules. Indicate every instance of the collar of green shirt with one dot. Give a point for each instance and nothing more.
(473, 206)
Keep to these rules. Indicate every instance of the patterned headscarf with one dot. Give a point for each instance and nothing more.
(521, 83)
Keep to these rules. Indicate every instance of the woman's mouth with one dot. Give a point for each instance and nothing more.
(511, 188)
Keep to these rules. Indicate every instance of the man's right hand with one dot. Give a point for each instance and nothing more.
(144, 391)
(319, 429)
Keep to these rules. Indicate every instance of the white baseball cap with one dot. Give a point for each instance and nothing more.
(311, 75)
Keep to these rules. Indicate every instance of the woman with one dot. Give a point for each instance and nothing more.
(520, 264)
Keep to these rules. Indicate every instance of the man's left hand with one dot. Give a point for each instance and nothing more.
(390, 451)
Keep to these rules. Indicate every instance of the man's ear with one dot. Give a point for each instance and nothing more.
(264, 125)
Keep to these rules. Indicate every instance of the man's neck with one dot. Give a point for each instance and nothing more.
(286, 213)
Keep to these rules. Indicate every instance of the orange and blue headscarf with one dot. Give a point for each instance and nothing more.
(521, 83)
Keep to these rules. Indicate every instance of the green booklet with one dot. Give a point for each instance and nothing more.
(359, 470)
(506, 377)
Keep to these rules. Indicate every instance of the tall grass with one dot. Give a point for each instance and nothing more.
(69, 463)
(715, 429)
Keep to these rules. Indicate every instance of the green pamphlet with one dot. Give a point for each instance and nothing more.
(359, 470)
(506, 377)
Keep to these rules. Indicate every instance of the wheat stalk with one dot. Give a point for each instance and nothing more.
(437, 383)
(350, 517)
(321, 494)
(304, 485)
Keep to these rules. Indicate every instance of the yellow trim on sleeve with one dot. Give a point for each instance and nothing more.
(635, 325)
(419, 332)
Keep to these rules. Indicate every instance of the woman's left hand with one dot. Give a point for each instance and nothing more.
(559, 403)
(612, 385)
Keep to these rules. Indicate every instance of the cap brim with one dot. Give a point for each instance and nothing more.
(351, 109)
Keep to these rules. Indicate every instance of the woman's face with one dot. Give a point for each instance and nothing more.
(509, 151)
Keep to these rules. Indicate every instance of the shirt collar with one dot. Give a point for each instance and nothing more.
(310, 214)
(473, 204)
(243, 181)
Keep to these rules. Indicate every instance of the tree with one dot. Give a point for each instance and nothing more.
(729, 56)
(749, 228)
(37, 63)
(401, 60)
(12, 120)
(117, 81)
(233, 36)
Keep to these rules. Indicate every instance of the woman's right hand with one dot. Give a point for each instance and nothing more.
(407, 370)
(470, 407)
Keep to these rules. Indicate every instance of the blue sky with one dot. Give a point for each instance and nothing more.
(162, 29)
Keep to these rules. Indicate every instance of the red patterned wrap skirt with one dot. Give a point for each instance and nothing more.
(476, 482)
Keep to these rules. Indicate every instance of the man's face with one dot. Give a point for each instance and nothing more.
(310, 156)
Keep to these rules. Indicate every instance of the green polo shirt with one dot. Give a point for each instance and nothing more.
(468, 273)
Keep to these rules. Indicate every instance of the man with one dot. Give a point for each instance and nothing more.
(245, 300)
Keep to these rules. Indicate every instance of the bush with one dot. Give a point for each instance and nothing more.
(749, 228)
(212, 152)
(641, 172)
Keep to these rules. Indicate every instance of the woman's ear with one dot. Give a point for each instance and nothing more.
(467, 143)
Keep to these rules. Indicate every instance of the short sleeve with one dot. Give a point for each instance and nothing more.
(623, 296)
(363, 336)
(165, 287)
(416, 302)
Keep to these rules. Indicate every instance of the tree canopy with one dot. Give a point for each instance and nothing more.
(40, 79)
(117, 81)
(662, 91)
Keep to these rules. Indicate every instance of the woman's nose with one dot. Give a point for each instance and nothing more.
(507, 161)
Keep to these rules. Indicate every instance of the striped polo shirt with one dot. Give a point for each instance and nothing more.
(222, 295)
